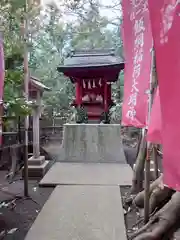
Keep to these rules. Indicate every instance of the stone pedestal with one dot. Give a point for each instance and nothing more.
(37, 166)
(36, 171)
(100, 143)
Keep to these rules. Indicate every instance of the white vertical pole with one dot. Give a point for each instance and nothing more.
(147, 161)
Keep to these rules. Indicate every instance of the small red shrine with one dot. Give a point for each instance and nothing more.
(92, 72)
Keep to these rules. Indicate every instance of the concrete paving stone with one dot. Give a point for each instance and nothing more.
(81, 213)
(88, 174)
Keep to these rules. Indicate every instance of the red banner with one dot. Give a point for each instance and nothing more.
(165, 21)
(155, 128)
(137, 50)
(2, 76)
(122, 34)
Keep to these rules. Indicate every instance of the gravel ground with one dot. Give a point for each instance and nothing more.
(17, 219)
(132, 218)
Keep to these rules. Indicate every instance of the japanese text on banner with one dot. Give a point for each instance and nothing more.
(138, 8)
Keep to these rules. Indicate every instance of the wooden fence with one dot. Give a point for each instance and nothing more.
(15, 140)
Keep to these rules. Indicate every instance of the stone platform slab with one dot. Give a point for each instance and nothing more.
(88, 174)
(32, 161)
(81, 213)
(99, 143)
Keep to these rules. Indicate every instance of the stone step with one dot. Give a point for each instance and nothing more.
(93, 121)
(88, 173)
(81, 213)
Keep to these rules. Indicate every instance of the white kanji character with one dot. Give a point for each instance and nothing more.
(168, 12)
(132, 16)
(136, 72)
(134, 86)
(133, 99)
(139, 41)
(136, 8)
(145, 6)
(137, 5)
(139, 26)
(131, 113)
(138, 56)
(141, 6)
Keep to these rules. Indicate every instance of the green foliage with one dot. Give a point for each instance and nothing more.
(11, 13)
(118, 92)
(81, 115)
(89, 32)
(50, 38)
(105, 117)
(116, 113)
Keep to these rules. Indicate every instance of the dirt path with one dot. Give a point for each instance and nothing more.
(19, 219)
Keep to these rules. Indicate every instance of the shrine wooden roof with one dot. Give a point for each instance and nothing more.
(82, 64)
(35, 83)
(91, 58)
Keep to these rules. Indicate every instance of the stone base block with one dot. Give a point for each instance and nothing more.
(36, 171)
(92, 143)
(36, 161)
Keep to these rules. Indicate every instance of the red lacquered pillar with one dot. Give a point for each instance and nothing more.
(78, 93)
(109, 94)
(105, 96)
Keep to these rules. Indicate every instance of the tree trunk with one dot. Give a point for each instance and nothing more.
(158, 195)
(138, 175)
(163, 223)
(139, 199)
(139, 144)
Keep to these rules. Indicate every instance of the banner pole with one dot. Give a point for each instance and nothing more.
(26, 93)
(149, 148)
(2, 77)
